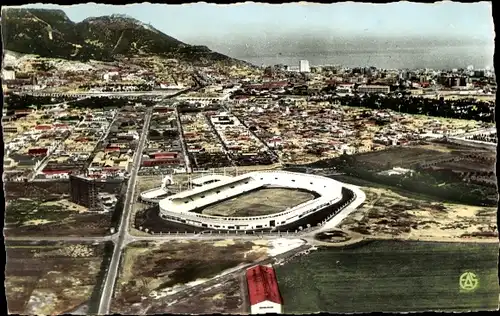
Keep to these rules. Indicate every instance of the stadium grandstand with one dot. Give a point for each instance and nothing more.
(186, 207)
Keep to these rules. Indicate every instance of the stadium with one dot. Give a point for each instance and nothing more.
(264, 200)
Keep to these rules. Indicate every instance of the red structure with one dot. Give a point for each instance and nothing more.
(23, 112)
(159, 162)
(53, 172)
(37, 152)
(43, 127)
(262, 285)
(165, 155)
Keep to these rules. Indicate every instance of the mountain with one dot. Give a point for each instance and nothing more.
(50, 33)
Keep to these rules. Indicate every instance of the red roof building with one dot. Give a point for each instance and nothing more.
(263, 290)
(165, 155)
(160, 162)
(22, 112)
(37, 151)
(54, 172)
(61, 126)
(43, 127)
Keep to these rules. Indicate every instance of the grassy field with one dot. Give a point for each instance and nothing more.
(405, 157)
(50, 278)
(36, 217)
(259, 202)
(390, 276)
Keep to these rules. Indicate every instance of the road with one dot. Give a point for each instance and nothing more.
(123, 235)
(46, 159)
(234, 273)
(183, 143)
(62, 239)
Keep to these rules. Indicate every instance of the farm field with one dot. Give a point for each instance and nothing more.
(50, 278)
(259, 202)
(40, 217)
(390, 276)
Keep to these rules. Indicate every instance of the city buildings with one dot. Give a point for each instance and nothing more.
(374, 89)
(304, 66)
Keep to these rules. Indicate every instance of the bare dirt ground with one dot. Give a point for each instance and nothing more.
(386, 214)
(226, 297)
(259, 202)
(50, 278)
(40, 217)
(178, 276)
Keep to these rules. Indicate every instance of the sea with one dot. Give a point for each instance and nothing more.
(440, 58)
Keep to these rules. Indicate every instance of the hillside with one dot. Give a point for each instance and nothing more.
(50, 33)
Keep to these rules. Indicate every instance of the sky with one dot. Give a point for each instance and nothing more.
(252, 29)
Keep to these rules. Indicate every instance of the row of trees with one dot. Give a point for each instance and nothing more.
(492, 138)
(469, 109)
(105, 102)
(119, 87)
(14, 102)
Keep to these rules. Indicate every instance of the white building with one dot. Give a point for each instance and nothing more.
(8, 75)
(374, 89)
(304, 66)
(179, 207)
(112, 75)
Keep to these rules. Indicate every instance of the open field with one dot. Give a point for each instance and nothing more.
(50, 278)
(405, 157)
(44, 189)
(164, 277)
(411, 156)
(259, 202)
(386, 213)
(151, 271)
(469, 165)
(40, 217)
(223, 298)
(390, 276)
(148, 182)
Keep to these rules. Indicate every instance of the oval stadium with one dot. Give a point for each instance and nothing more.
(264, 200)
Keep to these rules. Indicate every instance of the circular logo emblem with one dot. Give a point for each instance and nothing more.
(468, 281)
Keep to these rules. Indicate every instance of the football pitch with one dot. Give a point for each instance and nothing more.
(263, 201)
(392, 276)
